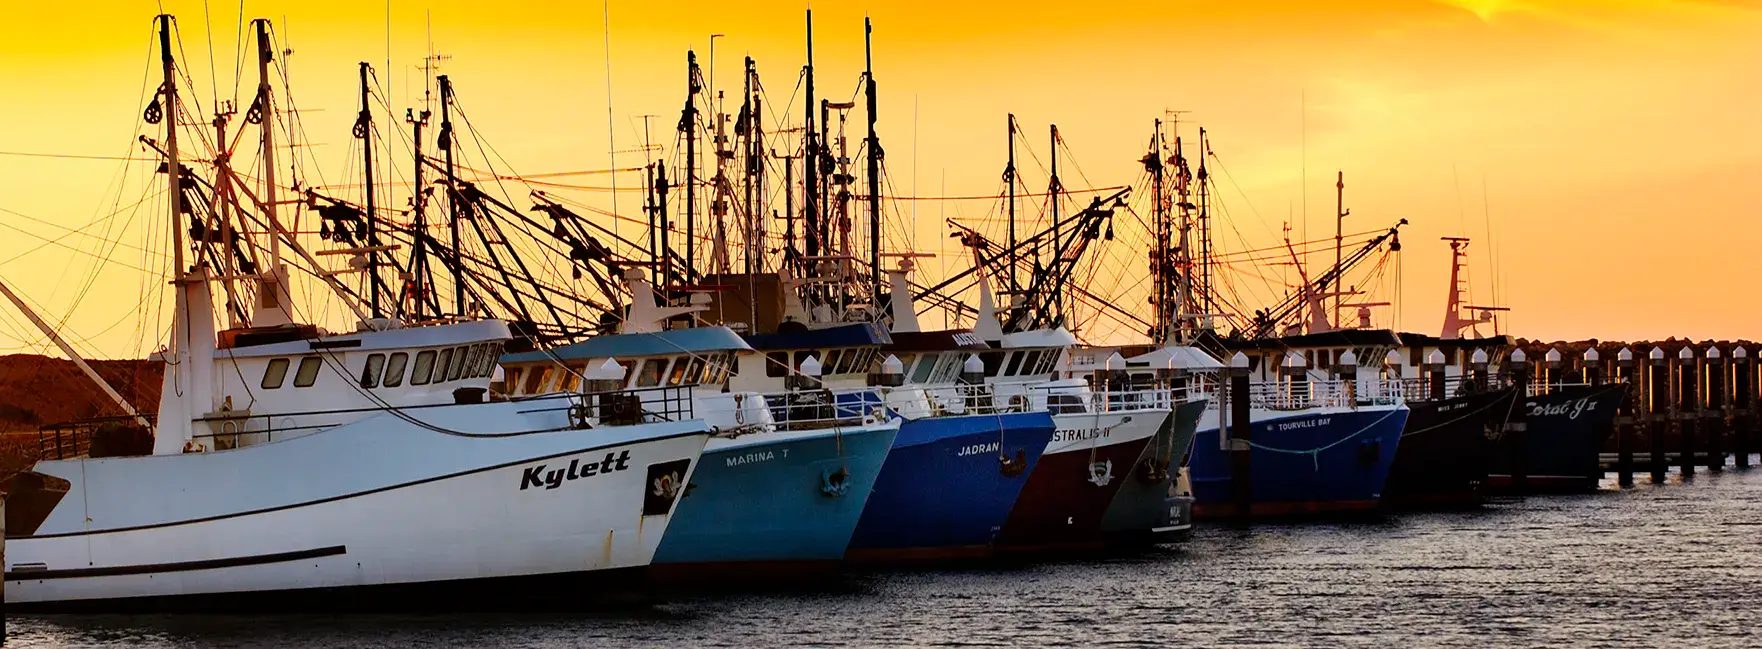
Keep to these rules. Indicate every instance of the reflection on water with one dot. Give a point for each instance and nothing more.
(1679, 564)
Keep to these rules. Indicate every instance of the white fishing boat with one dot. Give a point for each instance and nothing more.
(363, 469)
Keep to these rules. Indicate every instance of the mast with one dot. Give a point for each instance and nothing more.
(744, 127)
(688, 124)
(874, 174)
(1057, 229)
(272, 286)
(1339, 227)
(1205, 293)
(173, 169)
(364, 131)
(445, 141)
(810, 158)
(1009, 176)
(1160, 257)
(266, 111)
(419, 284)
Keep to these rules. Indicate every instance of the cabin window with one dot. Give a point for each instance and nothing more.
(730, 366)
(394, 369)
(993, 362)
(424, 364)
(650, 376)
(275, 373)
(926, 364)
(1050, 361)
(694, 373)
(441, 363)
(510, 381)
(1015, 362)
(538, 380)
(777, 364)
(308, 372)
(370, 371)
(458, 365)
(830, 361)
(1064, 404)
(677, 376)
(629, 372)
(489, 360)
(715, 369)
(572, 378)
(468, 359)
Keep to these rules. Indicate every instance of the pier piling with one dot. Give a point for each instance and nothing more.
(1625, 417)
(1688, 415)
(1657, 410)
(1743, 391)
(1716, 409)
(1517, 426)
(1241, 435)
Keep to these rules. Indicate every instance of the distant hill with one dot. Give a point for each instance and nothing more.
(37, 390)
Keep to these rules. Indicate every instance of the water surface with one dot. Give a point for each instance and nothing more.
(1677, 564)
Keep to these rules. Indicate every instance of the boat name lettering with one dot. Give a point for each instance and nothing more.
(749, 458)
(967, 339)
(980, 448)
(1304, 423)
(1571, 410)
(1079, 434)
(537, 476)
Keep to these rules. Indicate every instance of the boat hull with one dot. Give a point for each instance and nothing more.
(1090, 457)
(1315, 461)
(944, 493)
(1145, 510)
(377, 503)
(1565, 432)
(773, 504)
(1446, 451)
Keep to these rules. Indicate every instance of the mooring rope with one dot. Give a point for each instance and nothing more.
(1315, 453)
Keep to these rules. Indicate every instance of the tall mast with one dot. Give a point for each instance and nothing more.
(173, 169)
(419, 283)
(874, 174)
(688, 124)
(745, 127)
(1160, 258)
(1057, 229)
(364, 131)
(266, 112)
(810, 158)
(1339, 227)
(1009, 176)
(445, 141)
(1206, 300)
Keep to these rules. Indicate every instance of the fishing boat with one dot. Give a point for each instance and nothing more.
(1149, 508)
(955, 470)
(288, 466)
(782, 481)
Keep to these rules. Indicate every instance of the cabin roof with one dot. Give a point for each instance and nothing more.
(855, 334)
(661, 343)
(936, 341)
(1411, 339)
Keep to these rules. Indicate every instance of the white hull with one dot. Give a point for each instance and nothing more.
(1081, 432)
(373, 503)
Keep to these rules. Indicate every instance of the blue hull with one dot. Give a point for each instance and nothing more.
(944, 493)
(1302, 463)
(776, 501)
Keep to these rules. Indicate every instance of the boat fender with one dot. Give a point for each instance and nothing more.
(870, 420)
(835, 483)
(1368, 451)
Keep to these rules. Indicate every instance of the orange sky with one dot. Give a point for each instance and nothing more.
(1620, 141)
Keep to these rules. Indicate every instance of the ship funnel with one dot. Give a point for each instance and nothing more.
(905, 313)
